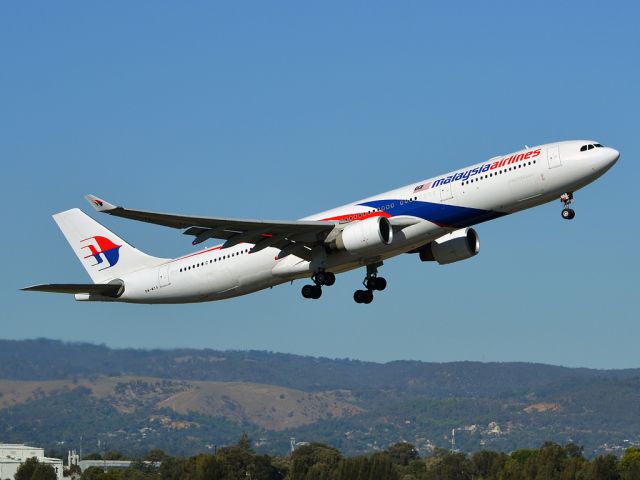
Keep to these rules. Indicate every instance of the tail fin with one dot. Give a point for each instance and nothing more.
(103, 254)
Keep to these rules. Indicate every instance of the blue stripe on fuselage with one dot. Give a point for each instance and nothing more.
(438, 213)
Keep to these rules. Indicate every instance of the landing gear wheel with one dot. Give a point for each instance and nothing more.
(380, 284)
(567, 199)
(330, 279)
(324, 278)
(371, 282)
(307, 291)
(363, 296)
(316, 292)
(368, 297)
(568, 213)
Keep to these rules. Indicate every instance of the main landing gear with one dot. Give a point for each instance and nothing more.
(566, 199)
(320, 278)
(372, 282)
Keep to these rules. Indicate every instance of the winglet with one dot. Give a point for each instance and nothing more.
(99, 204)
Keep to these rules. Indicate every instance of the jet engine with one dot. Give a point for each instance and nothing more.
(453, 247)
(364, 235)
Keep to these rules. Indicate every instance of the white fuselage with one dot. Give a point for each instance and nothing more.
(429, 209)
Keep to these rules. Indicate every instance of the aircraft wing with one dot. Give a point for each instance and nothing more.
(296, 237)
(106, 289)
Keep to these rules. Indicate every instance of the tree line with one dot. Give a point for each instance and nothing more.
(398, 462)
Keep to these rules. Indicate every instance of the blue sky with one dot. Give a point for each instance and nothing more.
(262, 110)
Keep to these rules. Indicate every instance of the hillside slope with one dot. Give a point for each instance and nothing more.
(186, 401)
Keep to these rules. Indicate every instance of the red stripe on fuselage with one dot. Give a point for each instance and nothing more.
(198, 253)
(355, 216)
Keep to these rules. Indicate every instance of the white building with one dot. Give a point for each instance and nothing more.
(14, 455)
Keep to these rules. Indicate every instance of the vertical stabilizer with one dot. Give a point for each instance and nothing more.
(104, 255)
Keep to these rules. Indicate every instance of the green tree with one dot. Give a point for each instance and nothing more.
(547, 463)
(245, 443)
(263, 469)
(629, 466)
(44, 472)
(237, 461)
(452, 466)
(31, 469)
(604, 467)
(306, 456)
(73, 470)
(512, 470)
(402, 453)
(489, 464)
(25, 471)
(382, 468)
(353, 468)
(573, 467)
(155, 455)
(210, 467)
(319, 471)
(522, 455)
(172, 468)
(573, 450)
(92, 473)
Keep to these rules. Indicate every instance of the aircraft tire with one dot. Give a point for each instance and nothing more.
(368, 297)
(316, 292)
(330, 279)
(380, 283)
(307, 291)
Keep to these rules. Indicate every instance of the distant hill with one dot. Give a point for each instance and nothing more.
(268, 406)
(188, 400)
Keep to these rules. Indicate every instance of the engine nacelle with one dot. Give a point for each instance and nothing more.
(453, 247)
(364, 235)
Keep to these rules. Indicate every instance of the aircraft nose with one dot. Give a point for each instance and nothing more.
(613, 155)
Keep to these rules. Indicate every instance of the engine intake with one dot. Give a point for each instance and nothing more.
(453, 247)
(364, 235)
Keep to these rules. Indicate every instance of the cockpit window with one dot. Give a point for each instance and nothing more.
(590, 147)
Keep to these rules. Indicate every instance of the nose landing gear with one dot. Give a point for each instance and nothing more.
(372, 282)
(567, 199)
(320, 278)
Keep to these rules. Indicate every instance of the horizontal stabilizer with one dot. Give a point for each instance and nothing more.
(106, 289)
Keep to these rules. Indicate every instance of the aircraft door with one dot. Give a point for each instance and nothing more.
(445, 192)
(163, 275)
(553, 156)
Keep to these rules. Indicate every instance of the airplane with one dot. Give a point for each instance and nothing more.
(432, 218)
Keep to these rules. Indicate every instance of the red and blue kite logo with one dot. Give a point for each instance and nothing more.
(102, 250)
